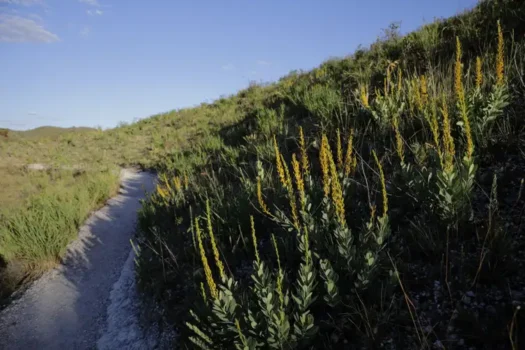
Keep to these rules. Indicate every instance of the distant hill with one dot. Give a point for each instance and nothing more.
(47, 132)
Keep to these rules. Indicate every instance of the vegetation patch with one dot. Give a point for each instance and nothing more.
(34, 235)
(374, 202)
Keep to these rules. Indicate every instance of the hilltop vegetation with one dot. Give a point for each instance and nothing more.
(373, 202)
(43, 132)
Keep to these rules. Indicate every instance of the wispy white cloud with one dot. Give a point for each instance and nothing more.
(85, 32)
(228, 66)
(263, 63)
(22, 2)
(32, 113)
(35, 17)
(95, 12)
(18, 29)
(90, 2)
(252, 72)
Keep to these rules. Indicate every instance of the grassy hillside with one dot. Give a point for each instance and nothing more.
(373, 202)
(47, 132)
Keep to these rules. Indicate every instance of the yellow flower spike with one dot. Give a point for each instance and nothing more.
(254, 239)
(278, 163)
(424, 90)
(416, 93)
(239, 331)
(448, 140)
(388, 79)
(468, 135)
(399, 81)
(307, 244)
(215, 250)
(161, 191)
(165, 182)
(291, 194)
(458, 83)
(323, 159)
(434, 127)
(462, 103)
(280, 275)
(304, 156)
(349, 158)
(337, 192)
(383, 184)
(339, 151)
(186, 182)
(177, 183)
(274, 242)
(299, 180)
(260, 198)
(372, 212)
(377, 92)
(203, 292)
(500, 59)
(400, 146)
(364, 96)
(479, 73)
(207, 271)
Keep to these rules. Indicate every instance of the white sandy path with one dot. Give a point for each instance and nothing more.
(67, 307)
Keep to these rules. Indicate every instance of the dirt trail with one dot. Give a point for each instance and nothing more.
(74, 305)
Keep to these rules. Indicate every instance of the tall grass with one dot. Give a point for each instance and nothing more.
(34, 237)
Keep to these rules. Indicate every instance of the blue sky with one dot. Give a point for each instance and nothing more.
(98, 62)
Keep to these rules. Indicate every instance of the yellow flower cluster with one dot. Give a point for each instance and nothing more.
(177, 183)
(400, 146)
(323, 159)
(462, 103)
(254, 239)
(299, 180)
(479, 73)
(215, 250)
(448, 140)
(434, 128)
(500, 59)
(207, 271)
(337, 191)
(350, 158)
(280, 275)
(458, 72)
(416, 94)
(162, 192)
(372, 212)
(424, 91)
(364, 96)
(274, 241)
(383, 184)
(339, 151)
(186, 182)
(399, 81)
(304, 156)
(291, 194)
(388, 78)
(279, 163)
(203, 292)
(260, 198)
(239, 331)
